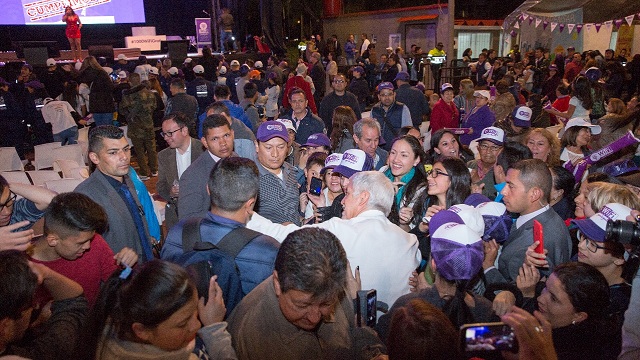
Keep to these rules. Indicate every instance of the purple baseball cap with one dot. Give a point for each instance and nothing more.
(331, 162)
(457, 251)
(385, 85)
(402, 75)
(595, 227)
(459, 214)
(354, 161)
(522, 116)
(270, 129)
(497, 222)
(359, 69)
(318, 139)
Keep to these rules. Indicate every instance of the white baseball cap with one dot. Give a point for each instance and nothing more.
(122, 57)
(122, 75)
(331, 162)
(235, 63)
(173, 70)
(288, 124)
(258, 64)
(187, 60)
(198, 69)
(154, 71)
(51, 62)
(595, 129)
(484, 93)
(493, 134)
(223, 70)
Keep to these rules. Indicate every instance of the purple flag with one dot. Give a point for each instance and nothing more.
(598, 26)
(561, 27)
(545, 24)
(618, 23)
(579, 28)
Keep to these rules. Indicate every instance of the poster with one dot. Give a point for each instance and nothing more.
(625, 40)
(203, 32)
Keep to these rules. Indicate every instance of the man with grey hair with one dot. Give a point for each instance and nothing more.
(303, 310)
(386, 254)
(366, 136)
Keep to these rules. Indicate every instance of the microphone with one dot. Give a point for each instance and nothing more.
(204, 11)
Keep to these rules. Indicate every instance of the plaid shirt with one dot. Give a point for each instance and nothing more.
(279, 200)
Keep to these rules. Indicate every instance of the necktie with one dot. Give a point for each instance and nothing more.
(137, 219)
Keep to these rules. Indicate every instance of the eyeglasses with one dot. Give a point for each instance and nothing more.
(10, 201)
(338, 81)
(493, 148)
(170, 133)
(435, 173)
(591, 245)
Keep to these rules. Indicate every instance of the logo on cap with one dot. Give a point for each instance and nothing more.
(489, 131)
(350, 158)
(274, 127)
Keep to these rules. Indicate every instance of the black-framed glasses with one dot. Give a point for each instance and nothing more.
(170, 133)
(590, 244)
(10, 201)
(493, 148)
(435, 173)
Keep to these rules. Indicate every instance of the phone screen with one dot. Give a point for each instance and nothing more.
(366, 312)
(488, 337)
(315, 187)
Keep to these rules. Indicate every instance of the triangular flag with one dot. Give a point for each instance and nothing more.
(598, 26)
(516, 25)
(579, 28)
(588, 26)
(571, 26)
(561, 27)
(538, 21)
(525, 16)
(545, 24)
(530, 19)
(608, 23)
(618, 23)
(513, 33)
(630, 19)
(553, 26)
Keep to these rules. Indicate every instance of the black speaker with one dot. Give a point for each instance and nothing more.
(36, 56)
(105, 51)
(177, 50)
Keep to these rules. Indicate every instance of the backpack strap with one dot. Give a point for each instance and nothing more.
(191, 233)
(236, 240)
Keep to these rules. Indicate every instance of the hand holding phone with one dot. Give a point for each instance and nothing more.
(483, 337)
(315, 186)
(366, 312)
(538, 235)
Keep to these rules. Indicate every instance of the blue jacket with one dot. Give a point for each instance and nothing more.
(255, 261)
(309, 125)
(236, 112)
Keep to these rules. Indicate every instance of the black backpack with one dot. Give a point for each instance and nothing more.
(203, 259)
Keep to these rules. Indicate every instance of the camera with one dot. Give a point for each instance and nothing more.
(624, 232)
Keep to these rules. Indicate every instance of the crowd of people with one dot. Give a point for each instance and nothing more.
(289, 189)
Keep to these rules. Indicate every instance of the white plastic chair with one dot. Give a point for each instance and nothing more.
(43, 155)
(62, 185)
(69, 152)
(19, 177)
(83, 134)
(70, 169)
(9, 159)
(39, 177)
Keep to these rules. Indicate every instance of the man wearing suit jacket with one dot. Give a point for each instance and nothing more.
(193, 198)
(110, 186)
(174, 160)
(527, 193)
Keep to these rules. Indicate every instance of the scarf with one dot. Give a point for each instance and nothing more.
(405, 180)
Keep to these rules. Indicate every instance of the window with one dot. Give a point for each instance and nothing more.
(474, 40)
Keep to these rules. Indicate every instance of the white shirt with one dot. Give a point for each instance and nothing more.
(183, 160)
(215, 158)
(385, 253)
(364, 46)
(58, 114)
(524, 218)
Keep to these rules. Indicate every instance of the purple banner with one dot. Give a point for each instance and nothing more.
(460, 131)
(203, 32)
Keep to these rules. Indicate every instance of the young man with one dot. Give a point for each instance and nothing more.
(72, 226)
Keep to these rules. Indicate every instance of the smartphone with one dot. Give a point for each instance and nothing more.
(538, 235)
(488, 337)
(315, 187)
(367, 301)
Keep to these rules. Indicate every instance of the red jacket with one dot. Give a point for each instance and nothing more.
(299, 82)
(444, 115)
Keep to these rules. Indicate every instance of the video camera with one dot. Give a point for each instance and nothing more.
(624, 232)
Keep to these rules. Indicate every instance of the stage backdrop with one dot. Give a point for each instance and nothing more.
(49, 12)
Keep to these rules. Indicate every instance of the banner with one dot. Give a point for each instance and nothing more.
(203, 32)
(625, 40)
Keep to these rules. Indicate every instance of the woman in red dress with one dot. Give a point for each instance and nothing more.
(73, 32)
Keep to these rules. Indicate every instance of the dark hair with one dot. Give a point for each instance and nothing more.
(17, 284)
(150, 295)
(177, 83)
(72, 212)
(343, 119)
(535, 173)
(219, 107)
(563, 89)
(405, 130)
(3, 184)
(232, 182)
(296, 90)
(214, 121)
(179, 118)
(511, 153)
(250, 89)
(312, 260)
(602, 177)
(70, 93)
(565, 181)
(466, 52)
(582, 90)
(103, 132)
(317, 158)
(586, 288)
(460, 187)
(72, 11)
(221, 91)
(435, 141)
(419, 330)
(570, 136)
(417, 182)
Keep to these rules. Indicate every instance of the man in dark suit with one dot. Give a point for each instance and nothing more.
(193, 198)
(174, 160)
(110, 186)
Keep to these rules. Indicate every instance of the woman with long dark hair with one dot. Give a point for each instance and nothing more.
(580, 103)
(153, 313)
(342, 129)
(73, 32)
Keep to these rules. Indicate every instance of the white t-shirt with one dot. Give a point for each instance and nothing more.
(58, 114)
(183, 161)
(580, 111)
